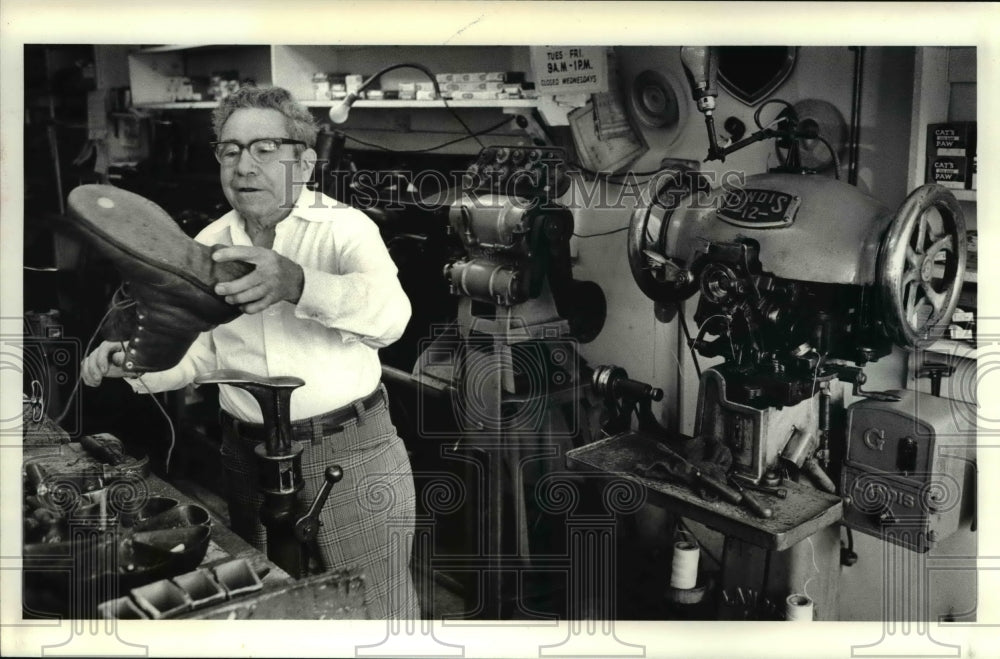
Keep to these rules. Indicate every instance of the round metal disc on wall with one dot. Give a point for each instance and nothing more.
(653, 99)
(829, 123)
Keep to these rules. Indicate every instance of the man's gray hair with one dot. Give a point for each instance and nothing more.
(299, 121)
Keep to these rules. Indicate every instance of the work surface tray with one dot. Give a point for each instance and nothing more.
(805, 511)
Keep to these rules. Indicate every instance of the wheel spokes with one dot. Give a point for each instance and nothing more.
(921, 232)
(936, 299)
(910, 297)
(922, 274)
(941, 243)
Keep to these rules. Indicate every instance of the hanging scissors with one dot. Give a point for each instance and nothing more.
(36, 402)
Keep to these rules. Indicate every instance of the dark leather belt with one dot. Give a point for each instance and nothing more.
(306, 429)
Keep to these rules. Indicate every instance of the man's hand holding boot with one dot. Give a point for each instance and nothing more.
(274, 278)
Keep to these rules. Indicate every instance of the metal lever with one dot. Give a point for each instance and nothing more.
(308, 525)
(935, 371)
(857, 377)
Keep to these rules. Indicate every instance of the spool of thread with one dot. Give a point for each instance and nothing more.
(684, 570)
(798, 607)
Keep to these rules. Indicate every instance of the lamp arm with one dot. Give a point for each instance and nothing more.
(339, 112)
(406, 65)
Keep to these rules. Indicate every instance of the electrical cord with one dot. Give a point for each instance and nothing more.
(437, 90)
(603, 233)
(170, 423)
(833, 153)
(597, 174)
(117, 306)
(805, 586)
(114, 306)
(650, 175)
(788, 157)
(756, 114)
(687, 335)
(432, 148)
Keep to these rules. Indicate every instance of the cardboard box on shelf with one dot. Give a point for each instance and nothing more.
(949, 171)
(957, 138)
(482, 76)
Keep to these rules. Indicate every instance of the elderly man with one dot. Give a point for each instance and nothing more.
(322, 298)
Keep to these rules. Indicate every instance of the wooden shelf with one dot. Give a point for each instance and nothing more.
(436, 104)
(178, 105)
(499, 104)
(964, 195)
(953, 348)
(152, 67)
(169, 48)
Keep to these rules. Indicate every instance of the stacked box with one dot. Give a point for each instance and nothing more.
(482, 85)
(353, 83)
(511, 77)
(461, 86)
(321, 86)
(329, 86)
(951, 154)
(948, 171)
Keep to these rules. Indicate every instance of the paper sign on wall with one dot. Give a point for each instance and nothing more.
(570, 69)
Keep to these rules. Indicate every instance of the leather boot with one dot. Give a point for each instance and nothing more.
(171, 277)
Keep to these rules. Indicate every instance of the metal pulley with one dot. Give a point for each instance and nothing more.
(922, 266)
(658, 275)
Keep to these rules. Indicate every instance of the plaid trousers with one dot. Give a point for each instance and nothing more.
(368, 520)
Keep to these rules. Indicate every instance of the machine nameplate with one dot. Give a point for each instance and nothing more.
(869, 490)
(758, 208)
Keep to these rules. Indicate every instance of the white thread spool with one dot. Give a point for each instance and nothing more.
(684, 570)
(798, 607)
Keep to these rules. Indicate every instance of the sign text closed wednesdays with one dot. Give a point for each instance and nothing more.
(570, 69)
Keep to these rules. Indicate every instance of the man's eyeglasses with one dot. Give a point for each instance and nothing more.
(262, 150)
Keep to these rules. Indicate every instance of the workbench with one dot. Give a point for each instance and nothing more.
(45, 441)
(802, 513)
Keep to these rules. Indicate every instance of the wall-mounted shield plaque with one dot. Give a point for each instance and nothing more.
(752, 73)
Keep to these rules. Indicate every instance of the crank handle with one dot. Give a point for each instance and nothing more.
(307, 526)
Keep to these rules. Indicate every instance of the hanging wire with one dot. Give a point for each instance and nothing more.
(437, 90)
(607, 175)
(687, 335)
(805, 586)
(124, 303)
(833, 153)
(119, 301)
(432, 148)
(756, 114)
(603, 233)
(170, 423)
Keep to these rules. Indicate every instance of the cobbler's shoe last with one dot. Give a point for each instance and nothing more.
(170, 276)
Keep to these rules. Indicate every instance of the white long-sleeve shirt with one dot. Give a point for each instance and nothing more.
(351, 305)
